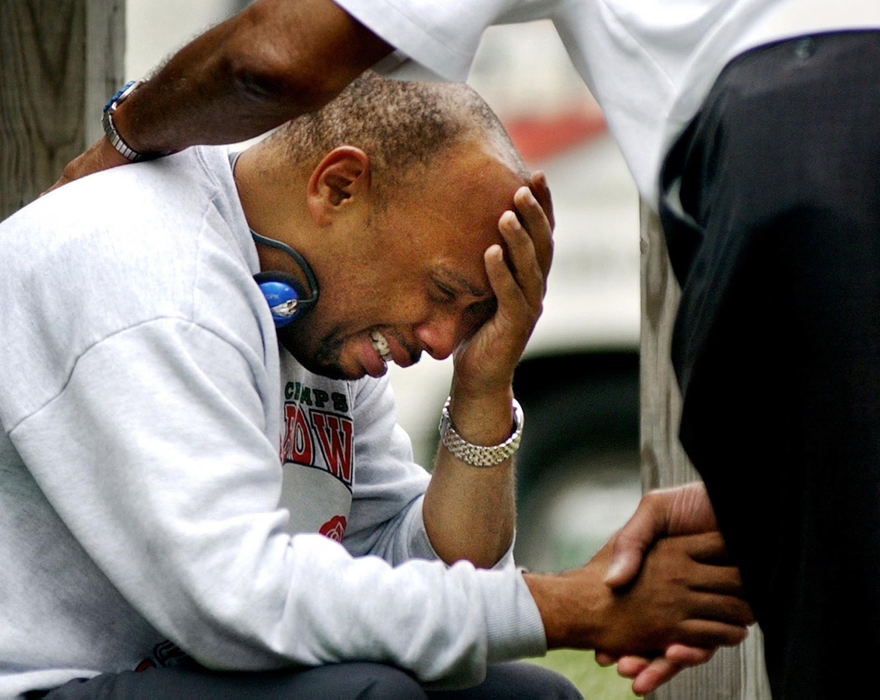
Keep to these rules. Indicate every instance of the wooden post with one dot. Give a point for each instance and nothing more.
(732, 673)
(61, 60)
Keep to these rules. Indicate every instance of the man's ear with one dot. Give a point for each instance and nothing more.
(340, 179)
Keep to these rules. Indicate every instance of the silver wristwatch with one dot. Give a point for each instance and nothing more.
(113, 135)
(479, 455)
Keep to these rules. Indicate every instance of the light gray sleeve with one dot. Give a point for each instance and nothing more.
(385, 517)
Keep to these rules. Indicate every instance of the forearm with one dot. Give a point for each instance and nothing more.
(470, 512)
(266, 65)
(574, 621)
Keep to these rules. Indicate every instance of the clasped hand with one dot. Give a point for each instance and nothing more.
(684, 595)
(682, 510)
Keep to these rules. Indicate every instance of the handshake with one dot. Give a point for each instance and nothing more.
(658, 597)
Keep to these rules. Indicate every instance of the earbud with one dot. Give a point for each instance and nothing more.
(286, 297)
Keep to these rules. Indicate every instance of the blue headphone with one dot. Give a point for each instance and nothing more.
(285, 295)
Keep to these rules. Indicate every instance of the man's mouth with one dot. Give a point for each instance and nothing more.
(381, 346)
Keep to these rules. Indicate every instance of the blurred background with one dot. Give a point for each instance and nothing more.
(578, 468)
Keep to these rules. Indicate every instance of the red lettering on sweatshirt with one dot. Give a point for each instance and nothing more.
(297, 445)
(335, 438)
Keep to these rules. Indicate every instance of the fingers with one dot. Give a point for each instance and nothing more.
(707, 547)
(675, 511)
(713, 573)
(633, 540)
(538, 185)
(527, 234)
(690, 510)
(522, 256)
(525, 281)
(721, 608)
(632, 666)
(718, 579)
(650, 674)
(714, 591)
(537, 223)
(653, 675)
(516, 310)
(625, 563)
(706, 551)
(605, 659)
(517, 275)
(99, 156)
(710, 634)
(688, 656)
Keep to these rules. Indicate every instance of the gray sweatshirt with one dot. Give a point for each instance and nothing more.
(165, 470)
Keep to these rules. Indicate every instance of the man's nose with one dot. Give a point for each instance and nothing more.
(439, 335)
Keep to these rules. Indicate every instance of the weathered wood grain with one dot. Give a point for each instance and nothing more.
(732, 673)
(59, 61)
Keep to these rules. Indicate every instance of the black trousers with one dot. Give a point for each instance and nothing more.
(771, 207)
(348, 681)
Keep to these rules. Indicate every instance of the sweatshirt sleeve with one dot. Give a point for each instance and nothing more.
(385, 518)
(155, 456)
(440, 35)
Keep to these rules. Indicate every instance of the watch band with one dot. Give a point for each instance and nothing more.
(114, 136)
(480, 455)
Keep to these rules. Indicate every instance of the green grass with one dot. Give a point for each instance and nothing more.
(594, 681)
